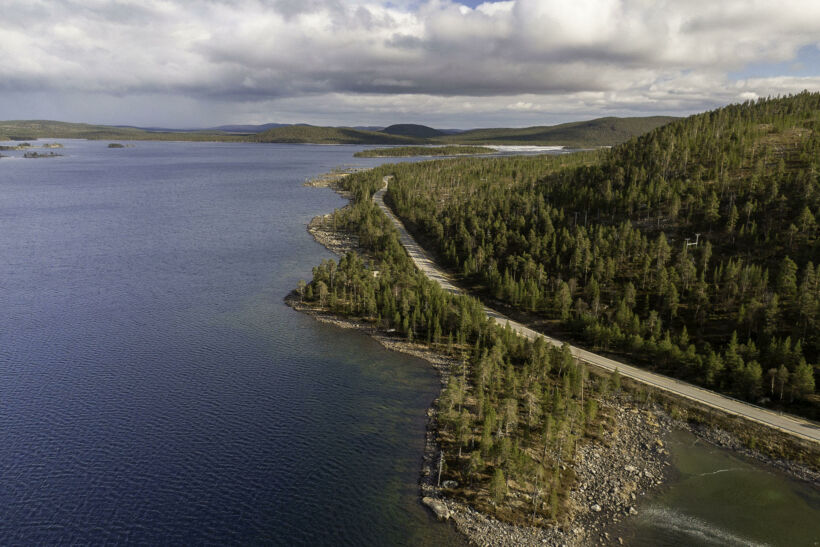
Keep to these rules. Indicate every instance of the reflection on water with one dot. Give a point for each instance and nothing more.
(719, 498)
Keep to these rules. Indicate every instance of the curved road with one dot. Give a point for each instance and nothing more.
(798, 427)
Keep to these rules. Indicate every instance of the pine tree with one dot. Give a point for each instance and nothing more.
(498, 486)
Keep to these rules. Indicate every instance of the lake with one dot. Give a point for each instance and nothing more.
(155, 389)
(153, 386)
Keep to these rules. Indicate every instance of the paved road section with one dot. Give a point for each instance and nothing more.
(790, 424)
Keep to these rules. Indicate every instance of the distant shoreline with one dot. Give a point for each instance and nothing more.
(580, 134)
(425, 151)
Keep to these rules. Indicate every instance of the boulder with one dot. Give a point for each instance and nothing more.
(437, 507)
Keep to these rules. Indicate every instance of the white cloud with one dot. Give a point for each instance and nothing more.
(517, 58)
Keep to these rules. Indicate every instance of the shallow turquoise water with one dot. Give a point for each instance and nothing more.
(720, 498)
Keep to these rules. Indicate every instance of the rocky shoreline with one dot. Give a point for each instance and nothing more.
(630, 461)
(339, 243)
(610, 476)
(332, 179)
(440, 362)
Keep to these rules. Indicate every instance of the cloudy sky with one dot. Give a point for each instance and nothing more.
(446, 63)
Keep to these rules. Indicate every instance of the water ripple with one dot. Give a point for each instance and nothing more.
(153, 387)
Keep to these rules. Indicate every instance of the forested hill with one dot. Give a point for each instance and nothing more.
(412, 130)
(330, 135)
(693, 249)
(597, 132)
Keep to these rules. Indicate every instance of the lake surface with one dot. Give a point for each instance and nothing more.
(155, 389)
(153, 386)
(719, 498)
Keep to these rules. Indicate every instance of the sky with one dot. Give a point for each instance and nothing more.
(444, 63)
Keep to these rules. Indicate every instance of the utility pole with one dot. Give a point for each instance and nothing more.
(694, 243)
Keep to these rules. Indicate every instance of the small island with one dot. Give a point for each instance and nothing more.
(27, 146)
(408, 151)
(21, 146)
(31, 155)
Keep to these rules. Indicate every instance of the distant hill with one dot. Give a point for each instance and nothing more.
(413, 130)
(330, 135)
(586, 134)
(48, 129)
(598, 132)
(155, 129)
(592, 133)
(239, 128)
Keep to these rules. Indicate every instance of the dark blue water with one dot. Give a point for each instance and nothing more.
(153, 386)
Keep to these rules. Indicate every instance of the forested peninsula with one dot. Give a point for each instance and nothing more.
(691, 250)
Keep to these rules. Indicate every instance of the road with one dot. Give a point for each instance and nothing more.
(796, 426)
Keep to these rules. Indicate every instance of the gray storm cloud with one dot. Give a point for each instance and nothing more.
(550, 55)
